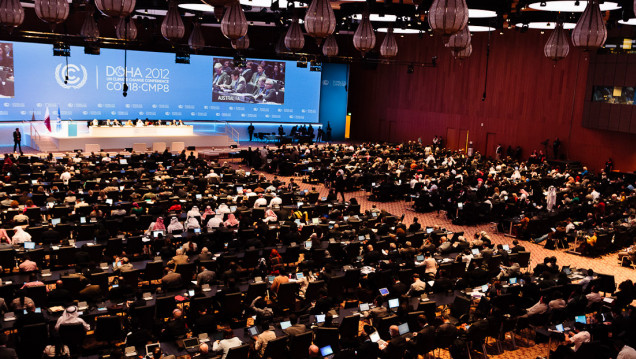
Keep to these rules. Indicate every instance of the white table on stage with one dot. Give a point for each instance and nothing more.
(133, 131)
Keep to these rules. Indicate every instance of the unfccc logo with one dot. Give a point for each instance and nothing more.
(77, 76)
(325, 82)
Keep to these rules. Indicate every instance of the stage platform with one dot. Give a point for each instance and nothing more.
(66, 143)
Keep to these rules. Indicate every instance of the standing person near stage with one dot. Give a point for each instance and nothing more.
(17, 138)
(250, 130)
(328, 133)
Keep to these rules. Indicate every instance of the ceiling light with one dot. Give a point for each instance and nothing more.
(268, 3)
(631, 21)
(571, 6)
(143, 17)
(479, 28)
(211, 24)
(155, 12)
(480, 14)
(197, 7)
(547, 25)
(400, 31)
(261, 23)
(159, 12)
(376, 17)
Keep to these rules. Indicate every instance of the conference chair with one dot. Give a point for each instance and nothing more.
(240, 352)
(299, 345)
(276, 348)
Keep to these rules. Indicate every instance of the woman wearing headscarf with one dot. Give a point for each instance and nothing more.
(157, 226)
(208, 212)
(175, 225)
(71, 316)
(270, 216)
(231, 222)
(20, 236)
(192, 223)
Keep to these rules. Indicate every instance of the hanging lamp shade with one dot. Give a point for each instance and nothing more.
(447, 17)
(389, 47)
(320, 20)
(463, 53)
(364, 37)
(89, 29)
(294, 39)
(172, 27)
(460, 40)
(116, 8)
(557, 47)
(11, 13)
(126, 29)
(330, 47)
(242, 43)
(234, 23)
(590, 31)
(52, 11)
(196, 40)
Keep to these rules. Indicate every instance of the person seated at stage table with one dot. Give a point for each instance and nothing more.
(116, 123)
(140, 123)
(95, 122)
(129, 123)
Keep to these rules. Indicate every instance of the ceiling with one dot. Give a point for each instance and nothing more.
(268, 20)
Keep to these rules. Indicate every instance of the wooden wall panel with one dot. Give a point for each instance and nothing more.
(528, 98)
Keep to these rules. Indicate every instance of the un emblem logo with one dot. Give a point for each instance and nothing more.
(77, 76)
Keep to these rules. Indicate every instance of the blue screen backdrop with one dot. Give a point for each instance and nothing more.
(158, 88)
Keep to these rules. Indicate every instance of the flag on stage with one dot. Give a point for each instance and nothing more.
(47, 120)
(58, 122)
(32, 115)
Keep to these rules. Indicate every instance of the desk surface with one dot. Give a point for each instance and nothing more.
(127, 131)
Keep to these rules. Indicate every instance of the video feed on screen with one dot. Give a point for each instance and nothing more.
(7, 88)
(255, 81)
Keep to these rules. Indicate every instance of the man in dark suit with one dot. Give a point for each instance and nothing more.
(296, 328)
(395, 347)
(398, 288)
(59, 295)
(517, 248)
(238, 84)
(17, 138)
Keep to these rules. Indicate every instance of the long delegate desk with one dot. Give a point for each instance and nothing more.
(140, 131)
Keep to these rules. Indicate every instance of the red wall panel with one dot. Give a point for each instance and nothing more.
(529, 98)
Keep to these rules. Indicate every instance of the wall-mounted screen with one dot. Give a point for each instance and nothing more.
(209, 88)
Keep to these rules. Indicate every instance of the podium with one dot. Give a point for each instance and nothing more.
(72, 129)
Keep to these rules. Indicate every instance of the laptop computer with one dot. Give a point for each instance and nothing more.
(130, 352)
(29, 245)
(475, 251)
(191, 344)
(394, 303)
(364, 307)
(326, 352)
(403, 328)
(384, 291)
(151, 347)
(580, 319)
(284, 325)
(253, 331)
(375, 337)
(46, 273)
(320, 318)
